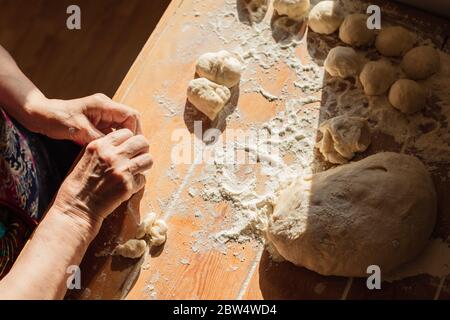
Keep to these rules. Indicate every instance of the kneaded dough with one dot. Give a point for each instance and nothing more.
(146, 225)
(394, 41)
(207, 96)
(158, 233)
(342, 62)
(421, 62)
(377, 211)
(354, 31)
(343, 136)
(377, 77)
(294, 9)
(325, 17)
(132, 249)
(221, 67)
(407, 96)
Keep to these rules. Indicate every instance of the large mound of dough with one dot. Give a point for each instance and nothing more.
(207, 96)
(325, 17)
(221, 67)
(378, 211)
(342, 62)
(342, 137)
(421, 62)
(294, 9)
(394, 41)
(354, 31)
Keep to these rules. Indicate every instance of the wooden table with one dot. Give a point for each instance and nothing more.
(162, 71)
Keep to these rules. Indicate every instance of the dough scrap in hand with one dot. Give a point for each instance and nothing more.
(377, 211)
(394, 41)
(407, 96)
(377, 77)
(294, 9)
(342, 62)
(207, 96)
(421, 62)
(221, 67)
(343, 136)
(132, 249)
(325, 17)
(354, 32)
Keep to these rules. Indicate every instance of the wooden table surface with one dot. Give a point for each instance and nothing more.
(163, 68)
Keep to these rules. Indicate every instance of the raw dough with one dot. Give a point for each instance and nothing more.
(354, 31)
(343, 136)
(325, 17)
(256, 9)
(342, 62)
(207, 96)
(220, 67)
(421, 62)
(158, 233)
(407, 96)
(376, 77)
(131, 249)
(378, 211)
(394, 41)
(145, 226)
(294, 9)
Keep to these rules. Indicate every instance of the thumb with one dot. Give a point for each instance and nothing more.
(87, 132)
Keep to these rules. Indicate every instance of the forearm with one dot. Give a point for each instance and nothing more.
(40, 272)
(17, 92)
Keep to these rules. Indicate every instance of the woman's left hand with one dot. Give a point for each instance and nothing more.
(80, 120)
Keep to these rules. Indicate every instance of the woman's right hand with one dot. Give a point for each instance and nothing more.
(109, 172)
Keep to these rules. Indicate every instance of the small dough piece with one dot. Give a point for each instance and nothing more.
(325, 17)
(407, 96)
(145, 226)
(294, 9)
(132, 249)
(342, 62)
(256, 9)
(421, 62)
(377, 77)
(394, 41)
(158, 233)
(207, 96)
(343, 136)
(377, 211)
(220, 67)
(354, 31)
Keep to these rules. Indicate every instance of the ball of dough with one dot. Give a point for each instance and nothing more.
(145, 226)
(294, 9)
(421, 62)
(158, 233)
(132, 249)
(342, 62)
(377, 211)
(325, 17)
(342, 137)
(376, 77)
(407, 96)
(394, 41)
(354, 31)
(207, 96)
(220, 67)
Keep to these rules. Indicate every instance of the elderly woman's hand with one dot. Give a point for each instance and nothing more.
(80, 120)
(108, 173)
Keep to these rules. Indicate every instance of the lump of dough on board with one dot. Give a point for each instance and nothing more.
(132, 249)
(354, 32)
(145, 226)
(377, 211)
(221, 67)
(343, 136)
(342, 62)
(377, 77)
(158, 233)
(207, 96)
(421, 62)
(394, 41)
(407, 96)
(325, 17)
(294, 9)
(257, 9)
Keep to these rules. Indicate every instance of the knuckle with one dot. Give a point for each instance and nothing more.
(93, 147)
(100, 97)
